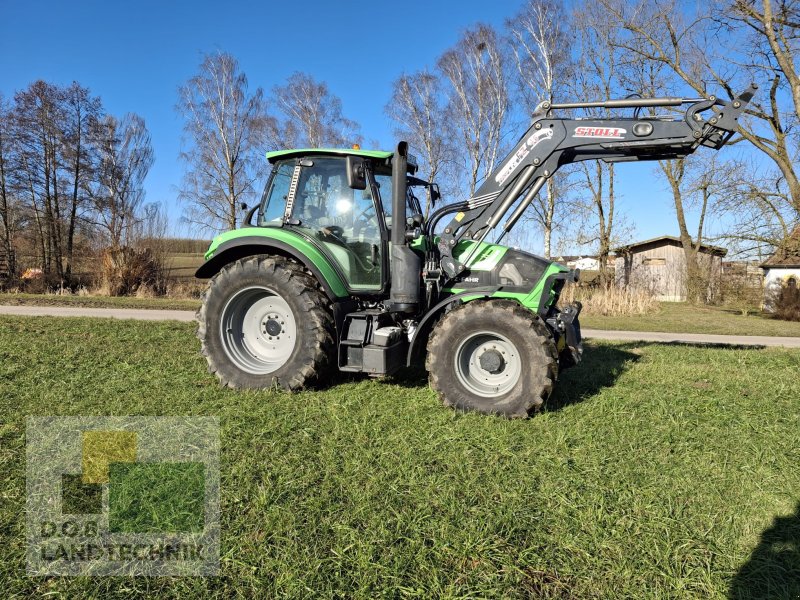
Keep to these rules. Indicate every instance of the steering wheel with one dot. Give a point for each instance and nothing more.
(333, 231)
(362, 221)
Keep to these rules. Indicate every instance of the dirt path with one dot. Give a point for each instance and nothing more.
(693, 338)
(139, 314)
(187, 315)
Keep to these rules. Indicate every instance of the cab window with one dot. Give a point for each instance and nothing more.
(273, 202)
(343, 219)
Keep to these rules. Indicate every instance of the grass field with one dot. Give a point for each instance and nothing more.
(183, 266)
(654, 472)
(679, 317)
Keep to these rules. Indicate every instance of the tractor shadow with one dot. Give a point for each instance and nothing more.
(773, 569)
(600, 368)
(602, 364)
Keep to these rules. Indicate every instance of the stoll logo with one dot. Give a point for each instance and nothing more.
(605, 133)
(122, 495)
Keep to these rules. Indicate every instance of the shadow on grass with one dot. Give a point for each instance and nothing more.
(600, 368)
(708, 345)
(410, 377)
(773, 570)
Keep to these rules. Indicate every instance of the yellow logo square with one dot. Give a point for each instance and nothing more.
(103, 447)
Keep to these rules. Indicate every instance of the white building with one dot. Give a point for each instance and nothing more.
(587, 263)
(782, 269)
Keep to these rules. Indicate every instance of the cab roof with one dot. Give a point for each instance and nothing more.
(297, 152)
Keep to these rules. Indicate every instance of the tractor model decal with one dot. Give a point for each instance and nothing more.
(531, 143)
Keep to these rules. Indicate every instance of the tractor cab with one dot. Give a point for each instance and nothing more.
(340, 200)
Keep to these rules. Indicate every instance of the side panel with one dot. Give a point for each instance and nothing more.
(514, 274)
(224, 247)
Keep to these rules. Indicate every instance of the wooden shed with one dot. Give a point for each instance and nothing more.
(658, 266)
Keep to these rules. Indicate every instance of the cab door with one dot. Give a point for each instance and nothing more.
(343, 220)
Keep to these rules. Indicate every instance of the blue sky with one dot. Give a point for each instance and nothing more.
(134, 56)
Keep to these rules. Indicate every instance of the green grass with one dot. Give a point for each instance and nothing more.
(656, 471)
(14, 299)
(680, 317)
(183, 266)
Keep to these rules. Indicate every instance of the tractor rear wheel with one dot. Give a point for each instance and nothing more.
(265, 322)
(493, 357)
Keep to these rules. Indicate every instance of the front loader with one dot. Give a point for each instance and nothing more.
(340, 271)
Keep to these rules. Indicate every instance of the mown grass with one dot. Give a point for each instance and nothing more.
(655, 471)
(680, 317)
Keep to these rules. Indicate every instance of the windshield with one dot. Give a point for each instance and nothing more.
(384, 182)
(273, 201)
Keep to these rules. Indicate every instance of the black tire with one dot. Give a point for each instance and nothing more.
(520, 336)
(311, 355)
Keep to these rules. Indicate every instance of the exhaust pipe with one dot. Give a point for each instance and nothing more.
(406, 266)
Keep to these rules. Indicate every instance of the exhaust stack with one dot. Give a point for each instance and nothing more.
(406, 266)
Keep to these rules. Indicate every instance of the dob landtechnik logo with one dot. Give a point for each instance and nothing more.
(122, 495)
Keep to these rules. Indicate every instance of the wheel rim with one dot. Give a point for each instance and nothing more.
(487, 364)
(258, 330)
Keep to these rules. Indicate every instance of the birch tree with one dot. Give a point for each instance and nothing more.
(126, 155)
(310, 116)
(225, 131)
(596, 78)
(478, 108)
(417, 107)
(543, 65)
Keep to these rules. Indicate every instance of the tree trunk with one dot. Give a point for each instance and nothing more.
(4, 209)
(73, 213)
(231, 196)
(694, 284)
(548, 220)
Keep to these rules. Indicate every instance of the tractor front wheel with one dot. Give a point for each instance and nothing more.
(493, 357)
(265, 322)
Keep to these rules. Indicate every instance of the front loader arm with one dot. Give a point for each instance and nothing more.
(553, 142)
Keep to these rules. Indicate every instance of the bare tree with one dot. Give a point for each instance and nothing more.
(311, 115)
(596, 77)
(126, 156)
(7, 213)
(713, 42)
(225, 127)
(417, 108)
(81, 111)
(478, 107)
(38, 120)
(543, 66)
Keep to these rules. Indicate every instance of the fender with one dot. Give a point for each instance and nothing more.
(248, 244)
(427, 320)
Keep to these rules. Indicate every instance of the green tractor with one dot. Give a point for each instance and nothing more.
(340, 270)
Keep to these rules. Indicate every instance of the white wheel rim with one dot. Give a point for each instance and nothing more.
(488, 364)
(258, 330)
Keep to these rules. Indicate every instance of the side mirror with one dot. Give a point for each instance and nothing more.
(243, 205)
(435, 193)
(356, 173)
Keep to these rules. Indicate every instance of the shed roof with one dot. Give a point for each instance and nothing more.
(787, 255)
(669, 240)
